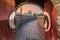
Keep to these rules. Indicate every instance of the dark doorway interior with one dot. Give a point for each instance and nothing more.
(40, 2)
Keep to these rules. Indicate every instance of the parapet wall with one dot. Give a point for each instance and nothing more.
(40, 21)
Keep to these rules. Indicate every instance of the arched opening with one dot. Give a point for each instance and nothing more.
(24, 9)
(26, 16)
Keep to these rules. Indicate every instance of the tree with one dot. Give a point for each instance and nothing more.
(34, 14)
(40, 14)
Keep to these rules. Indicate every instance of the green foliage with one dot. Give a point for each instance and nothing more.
(40, 14)
(34, 14)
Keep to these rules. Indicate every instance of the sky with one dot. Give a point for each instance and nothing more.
(28, 7)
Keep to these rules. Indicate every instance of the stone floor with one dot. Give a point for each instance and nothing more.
(30, 31)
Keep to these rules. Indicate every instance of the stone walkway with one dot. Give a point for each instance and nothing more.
(30, 31)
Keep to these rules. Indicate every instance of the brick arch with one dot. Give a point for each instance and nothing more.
(49, 7)
(40, 2)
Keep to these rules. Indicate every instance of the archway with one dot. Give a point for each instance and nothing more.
(27, 12)
(52, 33)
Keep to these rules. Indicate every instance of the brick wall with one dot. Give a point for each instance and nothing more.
(6, 6)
